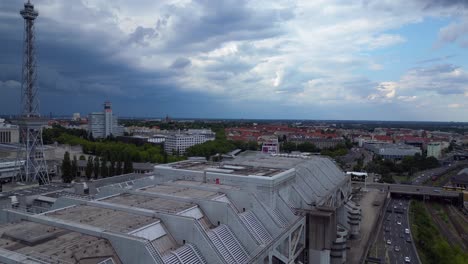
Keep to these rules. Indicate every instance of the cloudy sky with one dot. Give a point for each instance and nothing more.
(330, 59)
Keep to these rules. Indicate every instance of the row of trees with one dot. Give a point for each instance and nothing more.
(433, 246)
(409, 165)
(302, 147)
(50, 135)
(213, 147)
(146, 153)
(338, 150)
(222, 145)
(118, 150)
(95, 167)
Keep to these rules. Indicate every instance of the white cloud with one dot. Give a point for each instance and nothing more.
(454, 105)
(10, 84)
(385, 91)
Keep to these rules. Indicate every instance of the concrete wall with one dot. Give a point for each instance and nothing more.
(319, 256)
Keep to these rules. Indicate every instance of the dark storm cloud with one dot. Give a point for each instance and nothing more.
(69, 60)
(84, 62)
(219, 21)
(140, 33)
(181, 63)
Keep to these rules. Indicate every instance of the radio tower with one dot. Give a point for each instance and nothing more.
(34, 168)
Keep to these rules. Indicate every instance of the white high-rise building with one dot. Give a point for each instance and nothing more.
(104, 124)
(178, 142)
(434, 149)
(76, 116)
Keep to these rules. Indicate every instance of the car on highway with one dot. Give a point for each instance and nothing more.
(389, 242)
(437, 190)
(397, 248)
(407, 260)
(408, 239)
(406, 231)
(398, 223)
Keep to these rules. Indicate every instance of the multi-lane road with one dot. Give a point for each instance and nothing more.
(398, 243)
(421, 177)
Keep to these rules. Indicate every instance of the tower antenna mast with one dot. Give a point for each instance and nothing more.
(30, 158)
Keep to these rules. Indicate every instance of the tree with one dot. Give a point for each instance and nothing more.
(288, 147)
(66, 168)
(96, 167)
(82, 157)
(104, 168)
(118, 168)
(74, 167)
(307, 147)
(128, 165)
(89, 168)
(112, 168)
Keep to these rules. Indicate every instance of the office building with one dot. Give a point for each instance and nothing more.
(104, 124)
(391, 151)
(434, 149)
(9, 134)
(178, 142)
(256, 208)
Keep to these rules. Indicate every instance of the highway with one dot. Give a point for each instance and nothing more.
(393, 229)
(426, 175)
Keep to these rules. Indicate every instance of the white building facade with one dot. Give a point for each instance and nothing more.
(179, 142)
(8, 133)
(104, 124)
(434, 149)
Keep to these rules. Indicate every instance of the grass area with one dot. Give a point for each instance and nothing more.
(400, 179)
(432, 246)
(414, 229)
(440, 212)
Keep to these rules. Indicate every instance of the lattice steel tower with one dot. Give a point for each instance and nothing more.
(34, 168)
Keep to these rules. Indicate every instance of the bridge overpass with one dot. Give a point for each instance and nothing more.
(416, 191)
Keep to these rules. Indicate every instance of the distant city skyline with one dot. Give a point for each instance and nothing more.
(357, 60)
